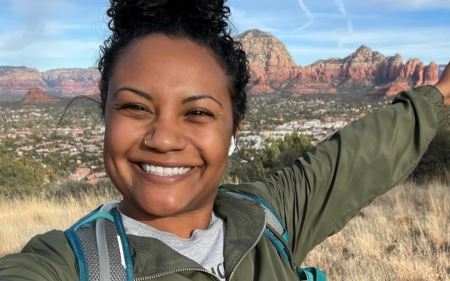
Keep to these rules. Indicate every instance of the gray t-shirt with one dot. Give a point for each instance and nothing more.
(204, 246)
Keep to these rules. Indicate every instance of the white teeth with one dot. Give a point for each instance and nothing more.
(165, 171)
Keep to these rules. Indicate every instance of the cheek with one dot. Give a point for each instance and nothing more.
(213, 145)
(120, 136)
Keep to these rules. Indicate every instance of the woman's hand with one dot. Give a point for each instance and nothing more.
(443, 85)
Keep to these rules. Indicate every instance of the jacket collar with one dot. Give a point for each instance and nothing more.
(244, 223)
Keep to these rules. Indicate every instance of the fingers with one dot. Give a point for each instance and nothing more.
(446, 73)
(443, 85)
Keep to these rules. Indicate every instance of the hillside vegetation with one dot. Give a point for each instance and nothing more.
(404, 235)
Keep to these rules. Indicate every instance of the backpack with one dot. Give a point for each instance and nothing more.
(102, 251)
(276, 232)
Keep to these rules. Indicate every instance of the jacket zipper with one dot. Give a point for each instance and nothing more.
(172, 272)
(246, 253)
(203, 270)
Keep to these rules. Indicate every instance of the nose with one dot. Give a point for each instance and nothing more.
(165, 136)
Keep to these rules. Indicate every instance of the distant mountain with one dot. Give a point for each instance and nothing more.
(273, 70)
(16, 81)
(271, 65)
(38, 96)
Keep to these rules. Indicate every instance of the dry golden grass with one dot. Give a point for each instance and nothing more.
(403, 235)
(21, 219)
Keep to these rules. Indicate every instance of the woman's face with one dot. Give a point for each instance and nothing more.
(168, 125)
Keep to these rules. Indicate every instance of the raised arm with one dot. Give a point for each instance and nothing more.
(325, 188)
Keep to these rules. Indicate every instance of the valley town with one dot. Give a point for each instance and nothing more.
(72, 144)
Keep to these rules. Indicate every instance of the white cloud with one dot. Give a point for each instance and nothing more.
(35, 18)
(418, 4)
(306, 55)
(53, 28)
(308, 14)
(49, 54)
(428, 44)
(405, 5)
(390, 36)
(245, 21)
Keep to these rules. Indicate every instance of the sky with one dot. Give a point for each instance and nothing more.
(67, 33)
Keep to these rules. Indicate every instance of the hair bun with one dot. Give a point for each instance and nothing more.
(194, 16)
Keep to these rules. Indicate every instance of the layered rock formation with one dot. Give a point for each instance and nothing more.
(272, 71)
(37, 96)
(72, 82)
(271, 65)
(16, 81)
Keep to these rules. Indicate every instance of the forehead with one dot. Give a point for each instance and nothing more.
(161, 63)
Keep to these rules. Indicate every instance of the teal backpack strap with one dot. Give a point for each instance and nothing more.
(272, 217)
(100, 245)
(275, 228)
(311, 274)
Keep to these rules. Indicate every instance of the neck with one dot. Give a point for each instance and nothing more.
(182, 225)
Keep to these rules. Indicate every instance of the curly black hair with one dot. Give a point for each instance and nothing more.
(206, 22)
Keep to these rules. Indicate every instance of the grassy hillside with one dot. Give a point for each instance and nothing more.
(403, 235)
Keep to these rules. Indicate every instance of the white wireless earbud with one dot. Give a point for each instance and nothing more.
(232, 146)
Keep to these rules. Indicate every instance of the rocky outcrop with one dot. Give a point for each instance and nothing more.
(363, 66)
(271, 65)
(16, 81)
(272, 70)
(72, 82)
(431, 74)
(390, 68)
(37, 96)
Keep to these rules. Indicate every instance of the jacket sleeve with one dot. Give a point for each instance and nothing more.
(46, 257)
(325, 188)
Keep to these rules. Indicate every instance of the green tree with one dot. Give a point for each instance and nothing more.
(249, 163)
(277, 154)
(21, 175)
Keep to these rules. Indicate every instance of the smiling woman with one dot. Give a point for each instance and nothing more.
(173, 91)
(170, 99)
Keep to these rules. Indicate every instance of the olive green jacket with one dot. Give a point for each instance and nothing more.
(316, 197)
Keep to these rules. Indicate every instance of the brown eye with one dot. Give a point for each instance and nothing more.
(199, 114)
(135, 110)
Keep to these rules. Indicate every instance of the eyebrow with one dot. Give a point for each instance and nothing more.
(199, 97)
(149, 97)
(135, 91)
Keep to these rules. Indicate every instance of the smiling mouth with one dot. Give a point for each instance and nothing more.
(164, 171)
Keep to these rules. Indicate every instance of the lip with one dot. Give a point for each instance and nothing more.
(159, 179)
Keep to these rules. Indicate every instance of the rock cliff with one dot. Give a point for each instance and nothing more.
(17, 81)
(36, 95)
(271, 65)
(72, 82)
(273, 70)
